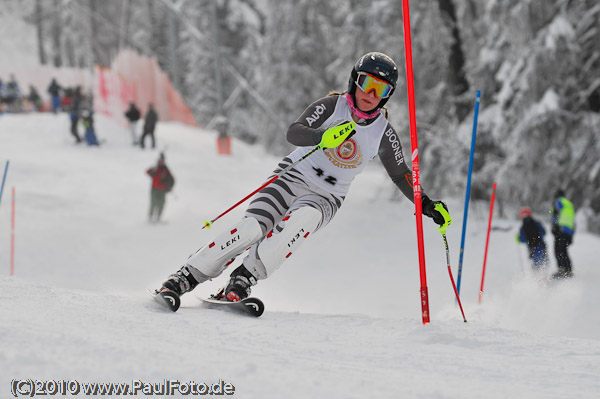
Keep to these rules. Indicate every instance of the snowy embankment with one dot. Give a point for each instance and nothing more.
(342, 316)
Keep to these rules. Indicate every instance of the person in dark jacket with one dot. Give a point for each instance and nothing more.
(12, 97)
(34, 99)
(532, 233)
(54, 91)
(149, 125)
(133, 115)
(87, 118)
(75, 109)
(162, 183)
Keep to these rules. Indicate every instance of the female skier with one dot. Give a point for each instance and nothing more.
(305, 199)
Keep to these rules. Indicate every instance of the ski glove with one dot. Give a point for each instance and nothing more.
(429, 210)
(331, 137)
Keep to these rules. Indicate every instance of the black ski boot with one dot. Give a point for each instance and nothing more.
(239, 284)
(562, 273)
(182, 281)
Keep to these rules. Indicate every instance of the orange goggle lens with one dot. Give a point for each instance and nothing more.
(367, 83)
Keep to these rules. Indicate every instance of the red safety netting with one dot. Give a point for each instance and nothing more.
(134, 77)
(131, 77)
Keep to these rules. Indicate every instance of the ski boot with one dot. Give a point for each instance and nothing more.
(239, 284)
(183, 280)
(562, 274)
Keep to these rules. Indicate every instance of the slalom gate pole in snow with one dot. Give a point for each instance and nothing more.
(442, 229)
(3, 180)
(487, 241)
(410, 88)
(271, 180)
(468, 194)
(12, 235)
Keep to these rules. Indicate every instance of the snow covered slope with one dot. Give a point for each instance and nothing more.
(342, 316)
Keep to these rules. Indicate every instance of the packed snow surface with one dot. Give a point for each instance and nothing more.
(343, 315)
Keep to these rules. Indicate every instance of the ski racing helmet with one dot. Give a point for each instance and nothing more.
(378, 65)
(525, 213)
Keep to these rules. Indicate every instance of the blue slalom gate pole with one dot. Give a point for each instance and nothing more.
(468, 194)
(3, 180)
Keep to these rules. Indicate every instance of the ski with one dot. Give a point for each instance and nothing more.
(166, 298)
(250, 306)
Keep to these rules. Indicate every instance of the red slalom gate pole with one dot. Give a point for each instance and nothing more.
(12, 235)
(410, 87)
(487, 241)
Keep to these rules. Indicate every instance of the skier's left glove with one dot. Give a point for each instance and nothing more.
(429, 210)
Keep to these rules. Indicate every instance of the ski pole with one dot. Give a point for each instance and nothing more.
(442, 229)
(271, 180)
(332, 138)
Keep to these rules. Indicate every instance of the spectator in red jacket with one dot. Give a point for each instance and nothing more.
(162, 183)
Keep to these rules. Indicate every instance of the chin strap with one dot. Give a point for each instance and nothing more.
(358, 112)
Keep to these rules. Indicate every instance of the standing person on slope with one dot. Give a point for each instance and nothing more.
(162, 182)
(532, 233)
(291, 209)
(563, 228)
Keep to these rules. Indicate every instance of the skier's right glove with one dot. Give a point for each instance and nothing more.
(331, 137)
(429, 210)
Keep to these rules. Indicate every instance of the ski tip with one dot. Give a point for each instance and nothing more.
(167, 298)
(254, 306)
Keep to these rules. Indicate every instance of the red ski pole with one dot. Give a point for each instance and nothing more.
(271, 180)
(333, 137)
(442, 229)
(487, 241)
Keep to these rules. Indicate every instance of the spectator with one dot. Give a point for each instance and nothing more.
(162, 183)
(133, 115)
(223, 141)
(34, 99)
(74, 113)
(563, 228)
(2, 91)
(67, 99)
(149, 125)
(13, 96)
(532, 233)
(87, 118)
(54, 90)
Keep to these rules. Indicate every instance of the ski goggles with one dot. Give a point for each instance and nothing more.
(367, 83)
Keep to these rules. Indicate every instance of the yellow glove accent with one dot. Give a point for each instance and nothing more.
(448, 220)
(334, 136)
